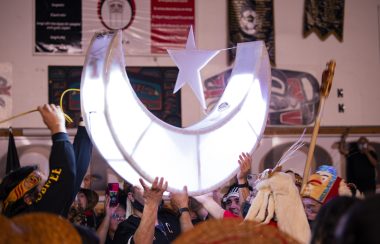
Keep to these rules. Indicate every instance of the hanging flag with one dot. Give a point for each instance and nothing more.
(324, 17)
(251, 20)
(12, 156)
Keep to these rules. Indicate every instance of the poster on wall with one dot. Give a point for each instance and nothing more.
(251, 20)
(58, 27)
(5, 92)
(153, 85)
(149, 27)
(294, 96)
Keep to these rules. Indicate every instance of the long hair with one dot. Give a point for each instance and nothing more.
(361, 223)
(328, 218)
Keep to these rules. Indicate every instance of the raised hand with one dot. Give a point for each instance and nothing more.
(154, 193)
(245, 167)
(179, 199)
(53, 117)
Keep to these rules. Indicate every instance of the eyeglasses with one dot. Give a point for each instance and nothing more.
(252, 177)
(118, 217)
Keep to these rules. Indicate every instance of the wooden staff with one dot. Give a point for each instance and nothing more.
(327, 77)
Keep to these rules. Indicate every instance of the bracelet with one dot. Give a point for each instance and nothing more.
(243, 185)
(181, 210)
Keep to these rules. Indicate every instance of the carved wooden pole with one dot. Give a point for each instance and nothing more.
(327, 77)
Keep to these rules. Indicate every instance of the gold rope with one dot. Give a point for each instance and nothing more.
(18, 115)
(67, 117)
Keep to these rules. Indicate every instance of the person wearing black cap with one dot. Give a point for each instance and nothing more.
(27, 190)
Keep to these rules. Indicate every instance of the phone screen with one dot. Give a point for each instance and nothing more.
(113, 190)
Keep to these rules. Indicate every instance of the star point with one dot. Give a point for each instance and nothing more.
(190, 61)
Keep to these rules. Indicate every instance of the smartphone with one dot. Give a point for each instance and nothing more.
(113, 192)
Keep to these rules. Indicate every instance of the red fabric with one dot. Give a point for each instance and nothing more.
(334, 191)
(273, 223)
(227, 214)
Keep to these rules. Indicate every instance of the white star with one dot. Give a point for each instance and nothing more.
(189, 62)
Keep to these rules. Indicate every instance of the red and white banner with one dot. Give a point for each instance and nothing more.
(170, 21)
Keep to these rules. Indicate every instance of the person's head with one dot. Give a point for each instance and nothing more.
(297, 178)
(328, 218)
(320, 188)
(361, 223)
(87, 199)
(20, 188)
(117, 217)
(136, 193)
(136, 197)
(311, 207)
(362, 143)
(231, 202)
(39, 227)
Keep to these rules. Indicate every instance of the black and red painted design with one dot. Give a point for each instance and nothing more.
(294, 96)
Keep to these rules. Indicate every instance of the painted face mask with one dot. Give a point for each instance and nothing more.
(322, 185)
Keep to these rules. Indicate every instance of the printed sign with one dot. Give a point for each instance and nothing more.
(58, 26)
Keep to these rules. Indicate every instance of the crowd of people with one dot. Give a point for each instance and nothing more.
(325, 210)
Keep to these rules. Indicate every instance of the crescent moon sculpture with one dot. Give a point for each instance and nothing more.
(137, 144)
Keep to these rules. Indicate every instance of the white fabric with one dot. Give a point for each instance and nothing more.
(286, 203)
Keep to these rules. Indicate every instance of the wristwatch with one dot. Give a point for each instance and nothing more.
(181, 210)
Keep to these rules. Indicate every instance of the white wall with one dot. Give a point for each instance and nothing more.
(357, 57)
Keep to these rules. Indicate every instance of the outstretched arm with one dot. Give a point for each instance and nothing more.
(343, 146)
(152, 198)
(245, 168)
(83, 150)
(212, 207)
(180, 200)
(104, 226)
(55, 195)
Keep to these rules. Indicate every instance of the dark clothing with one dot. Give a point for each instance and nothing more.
(56, 194)
(87, 235)
(83, 149)
(360, 171)
(68, 165)
(167, 230)
(108, 239)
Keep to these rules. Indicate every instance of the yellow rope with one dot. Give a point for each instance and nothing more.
(18, 115)
(67, 117)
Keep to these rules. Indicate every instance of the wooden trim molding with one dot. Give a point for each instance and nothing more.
(325, 130)
(269, 131)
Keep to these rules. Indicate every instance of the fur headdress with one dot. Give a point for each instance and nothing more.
(279, 198)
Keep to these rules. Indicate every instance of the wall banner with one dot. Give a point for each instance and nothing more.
(58, 26)
(149, 27)
(324, 17)
(5, 92)
(251, 20)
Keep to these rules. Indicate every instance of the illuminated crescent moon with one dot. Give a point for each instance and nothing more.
(93, 107)
(202, 156)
